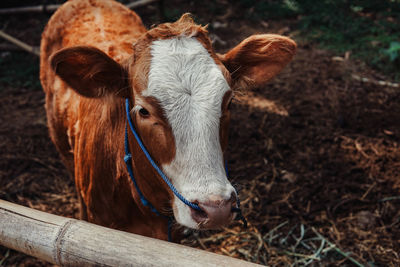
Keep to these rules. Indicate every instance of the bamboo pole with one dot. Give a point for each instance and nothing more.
(70, 242)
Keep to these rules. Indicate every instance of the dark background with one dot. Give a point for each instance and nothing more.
(315, 153)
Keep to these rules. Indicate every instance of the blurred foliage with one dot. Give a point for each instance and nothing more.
(19, 69)
(370, 29)
(393, 51)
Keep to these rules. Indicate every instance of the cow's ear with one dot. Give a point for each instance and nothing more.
(258, 58)
(90, 72)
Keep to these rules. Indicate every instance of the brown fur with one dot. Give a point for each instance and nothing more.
(258, 58)
(99, 67)
(94, 155)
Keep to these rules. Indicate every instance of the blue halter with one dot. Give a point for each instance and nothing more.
(145, 202)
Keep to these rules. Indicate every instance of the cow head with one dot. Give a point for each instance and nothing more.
(180, 92)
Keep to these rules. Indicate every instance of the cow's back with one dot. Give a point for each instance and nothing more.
(104, 24)
(107, 25)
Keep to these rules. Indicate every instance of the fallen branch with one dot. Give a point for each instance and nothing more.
(376, 82)
(31, 49)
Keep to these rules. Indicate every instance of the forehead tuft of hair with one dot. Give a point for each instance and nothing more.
(184, 27)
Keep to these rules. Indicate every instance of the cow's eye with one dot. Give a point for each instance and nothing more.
(144, 112)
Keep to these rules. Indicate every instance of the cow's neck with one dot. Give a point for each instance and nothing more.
(114, 201)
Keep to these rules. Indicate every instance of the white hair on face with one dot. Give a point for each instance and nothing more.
(190, 87)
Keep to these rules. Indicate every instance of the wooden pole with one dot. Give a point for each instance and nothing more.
(140, 3)
(10, 47)
(70, 242)
(32, 49)
(29, 9)
(47, 8)
(52, 8)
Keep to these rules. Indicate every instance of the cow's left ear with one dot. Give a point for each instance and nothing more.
(258, 58)
(90, 72)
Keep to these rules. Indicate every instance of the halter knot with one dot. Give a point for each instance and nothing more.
(127, 157)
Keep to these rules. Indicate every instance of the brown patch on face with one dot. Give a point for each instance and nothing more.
(156, 131)
(156, 135)
(138, 68)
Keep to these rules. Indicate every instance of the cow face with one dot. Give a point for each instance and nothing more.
(180, 90)
(190, 95)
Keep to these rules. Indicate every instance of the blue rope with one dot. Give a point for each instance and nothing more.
(127, 159)
(163, 176)
(145, 202)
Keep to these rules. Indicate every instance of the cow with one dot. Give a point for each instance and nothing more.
(97, 60)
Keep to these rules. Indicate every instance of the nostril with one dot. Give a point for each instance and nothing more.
(199, 215)
(214, 214)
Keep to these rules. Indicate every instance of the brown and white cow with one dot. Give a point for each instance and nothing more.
(96, 53)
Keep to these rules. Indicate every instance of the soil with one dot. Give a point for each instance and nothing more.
(315, 155)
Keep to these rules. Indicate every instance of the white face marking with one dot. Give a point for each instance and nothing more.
(190, 87)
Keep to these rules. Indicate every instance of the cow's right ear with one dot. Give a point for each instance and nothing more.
(257, 59)
(90, 72)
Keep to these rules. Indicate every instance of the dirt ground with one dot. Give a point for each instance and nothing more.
(315, 155)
